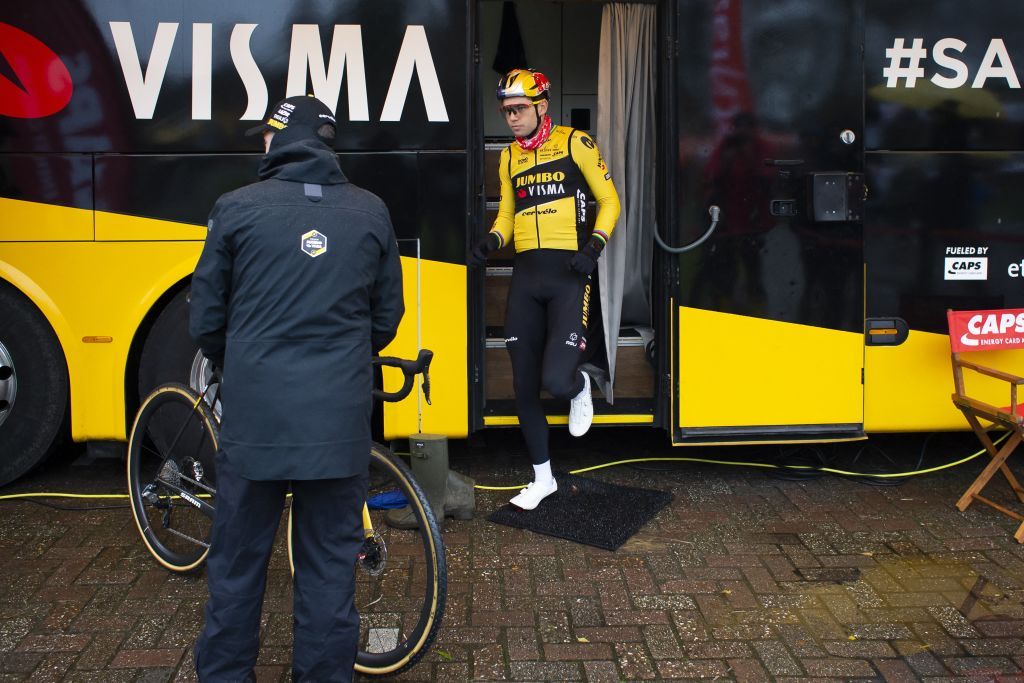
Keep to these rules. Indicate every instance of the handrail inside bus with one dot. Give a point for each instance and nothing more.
(714, 212)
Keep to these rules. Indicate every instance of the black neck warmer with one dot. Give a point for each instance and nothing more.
(297, 154)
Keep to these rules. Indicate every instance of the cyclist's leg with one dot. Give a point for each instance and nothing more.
(525, 324)
(327, 533)
(567, 317)
(244, 526)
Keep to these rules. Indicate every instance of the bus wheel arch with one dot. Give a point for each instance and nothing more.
(162, 350)
(34, 386)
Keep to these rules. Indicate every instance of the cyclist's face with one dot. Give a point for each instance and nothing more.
(267, 137)
(521, 115)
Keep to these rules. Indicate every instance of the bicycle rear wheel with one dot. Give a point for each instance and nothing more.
(171, 476)
(401, 575)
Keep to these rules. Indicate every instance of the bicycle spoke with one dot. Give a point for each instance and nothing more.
(179, 534)
(181, 430)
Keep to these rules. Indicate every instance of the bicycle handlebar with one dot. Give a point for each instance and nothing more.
(410, 368)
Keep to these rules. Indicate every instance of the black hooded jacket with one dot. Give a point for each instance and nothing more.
(299, 283)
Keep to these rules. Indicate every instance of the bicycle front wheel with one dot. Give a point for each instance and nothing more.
(401, 579)
(401, 576)
(171, 476)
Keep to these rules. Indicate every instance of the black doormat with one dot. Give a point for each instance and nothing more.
(588, 511)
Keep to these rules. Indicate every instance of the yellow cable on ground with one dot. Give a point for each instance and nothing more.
(830, 470)
(107, 496)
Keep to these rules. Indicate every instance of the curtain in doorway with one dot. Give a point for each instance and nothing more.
(625, 134)
(511, 54)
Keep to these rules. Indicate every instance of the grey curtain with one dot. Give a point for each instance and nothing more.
(625, 134)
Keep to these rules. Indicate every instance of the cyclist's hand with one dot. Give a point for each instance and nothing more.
(584, 261)
(478, 255)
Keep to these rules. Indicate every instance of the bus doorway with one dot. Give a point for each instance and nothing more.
(601, 59)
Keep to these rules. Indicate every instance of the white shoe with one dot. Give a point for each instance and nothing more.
(581, 410)
(532, 495)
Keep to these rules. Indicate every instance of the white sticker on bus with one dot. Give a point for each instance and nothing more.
(966, 268)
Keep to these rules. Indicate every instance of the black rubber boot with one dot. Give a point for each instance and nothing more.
(459, 503)
(459, 496)
(401, 518)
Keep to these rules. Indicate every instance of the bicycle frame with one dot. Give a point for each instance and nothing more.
(368, 531)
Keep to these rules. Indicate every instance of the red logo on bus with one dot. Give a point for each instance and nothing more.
(33, 81)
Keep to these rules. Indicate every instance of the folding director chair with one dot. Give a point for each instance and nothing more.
(989, 331)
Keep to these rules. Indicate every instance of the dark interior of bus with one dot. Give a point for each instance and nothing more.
(566, 41)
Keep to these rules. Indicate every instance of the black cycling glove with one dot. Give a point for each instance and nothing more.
(585, 260)
(478, 255)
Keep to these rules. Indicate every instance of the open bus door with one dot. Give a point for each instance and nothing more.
(766, 314)
(564, 41)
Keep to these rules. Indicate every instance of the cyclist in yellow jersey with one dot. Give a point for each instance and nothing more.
(547, 176)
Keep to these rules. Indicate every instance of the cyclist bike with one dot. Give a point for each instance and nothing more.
(400, 594)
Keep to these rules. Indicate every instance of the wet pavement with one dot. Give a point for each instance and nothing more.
(745, 576)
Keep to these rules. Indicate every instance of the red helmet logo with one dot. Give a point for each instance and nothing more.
(42, 86)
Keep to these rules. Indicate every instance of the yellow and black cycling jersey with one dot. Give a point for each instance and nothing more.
(544, 192)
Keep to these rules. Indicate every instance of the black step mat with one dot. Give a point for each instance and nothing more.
(588, 511)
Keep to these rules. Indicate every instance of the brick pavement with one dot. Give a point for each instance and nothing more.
(744, 577)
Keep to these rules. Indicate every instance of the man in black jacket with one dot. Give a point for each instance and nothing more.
(298, 285)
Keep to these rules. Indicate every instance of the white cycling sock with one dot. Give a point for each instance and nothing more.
(542, 473)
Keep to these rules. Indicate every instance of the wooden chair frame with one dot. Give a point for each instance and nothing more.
(1009, 418)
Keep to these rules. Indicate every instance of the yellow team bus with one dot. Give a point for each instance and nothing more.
(863, 159)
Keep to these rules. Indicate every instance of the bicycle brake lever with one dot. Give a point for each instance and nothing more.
(426, 384)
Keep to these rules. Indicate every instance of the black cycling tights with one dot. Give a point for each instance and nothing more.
(545, 327)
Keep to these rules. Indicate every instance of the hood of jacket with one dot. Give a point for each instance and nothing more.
(298, 155)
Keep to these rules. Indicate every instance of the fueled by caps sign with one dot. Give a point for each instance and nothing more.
(986, 330)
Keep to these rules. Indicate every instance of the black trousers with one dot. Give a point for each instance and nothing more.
(545, 332)
(326, 536)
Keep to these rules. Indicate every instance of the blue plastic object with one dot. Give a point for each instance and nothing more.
(388, 500)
